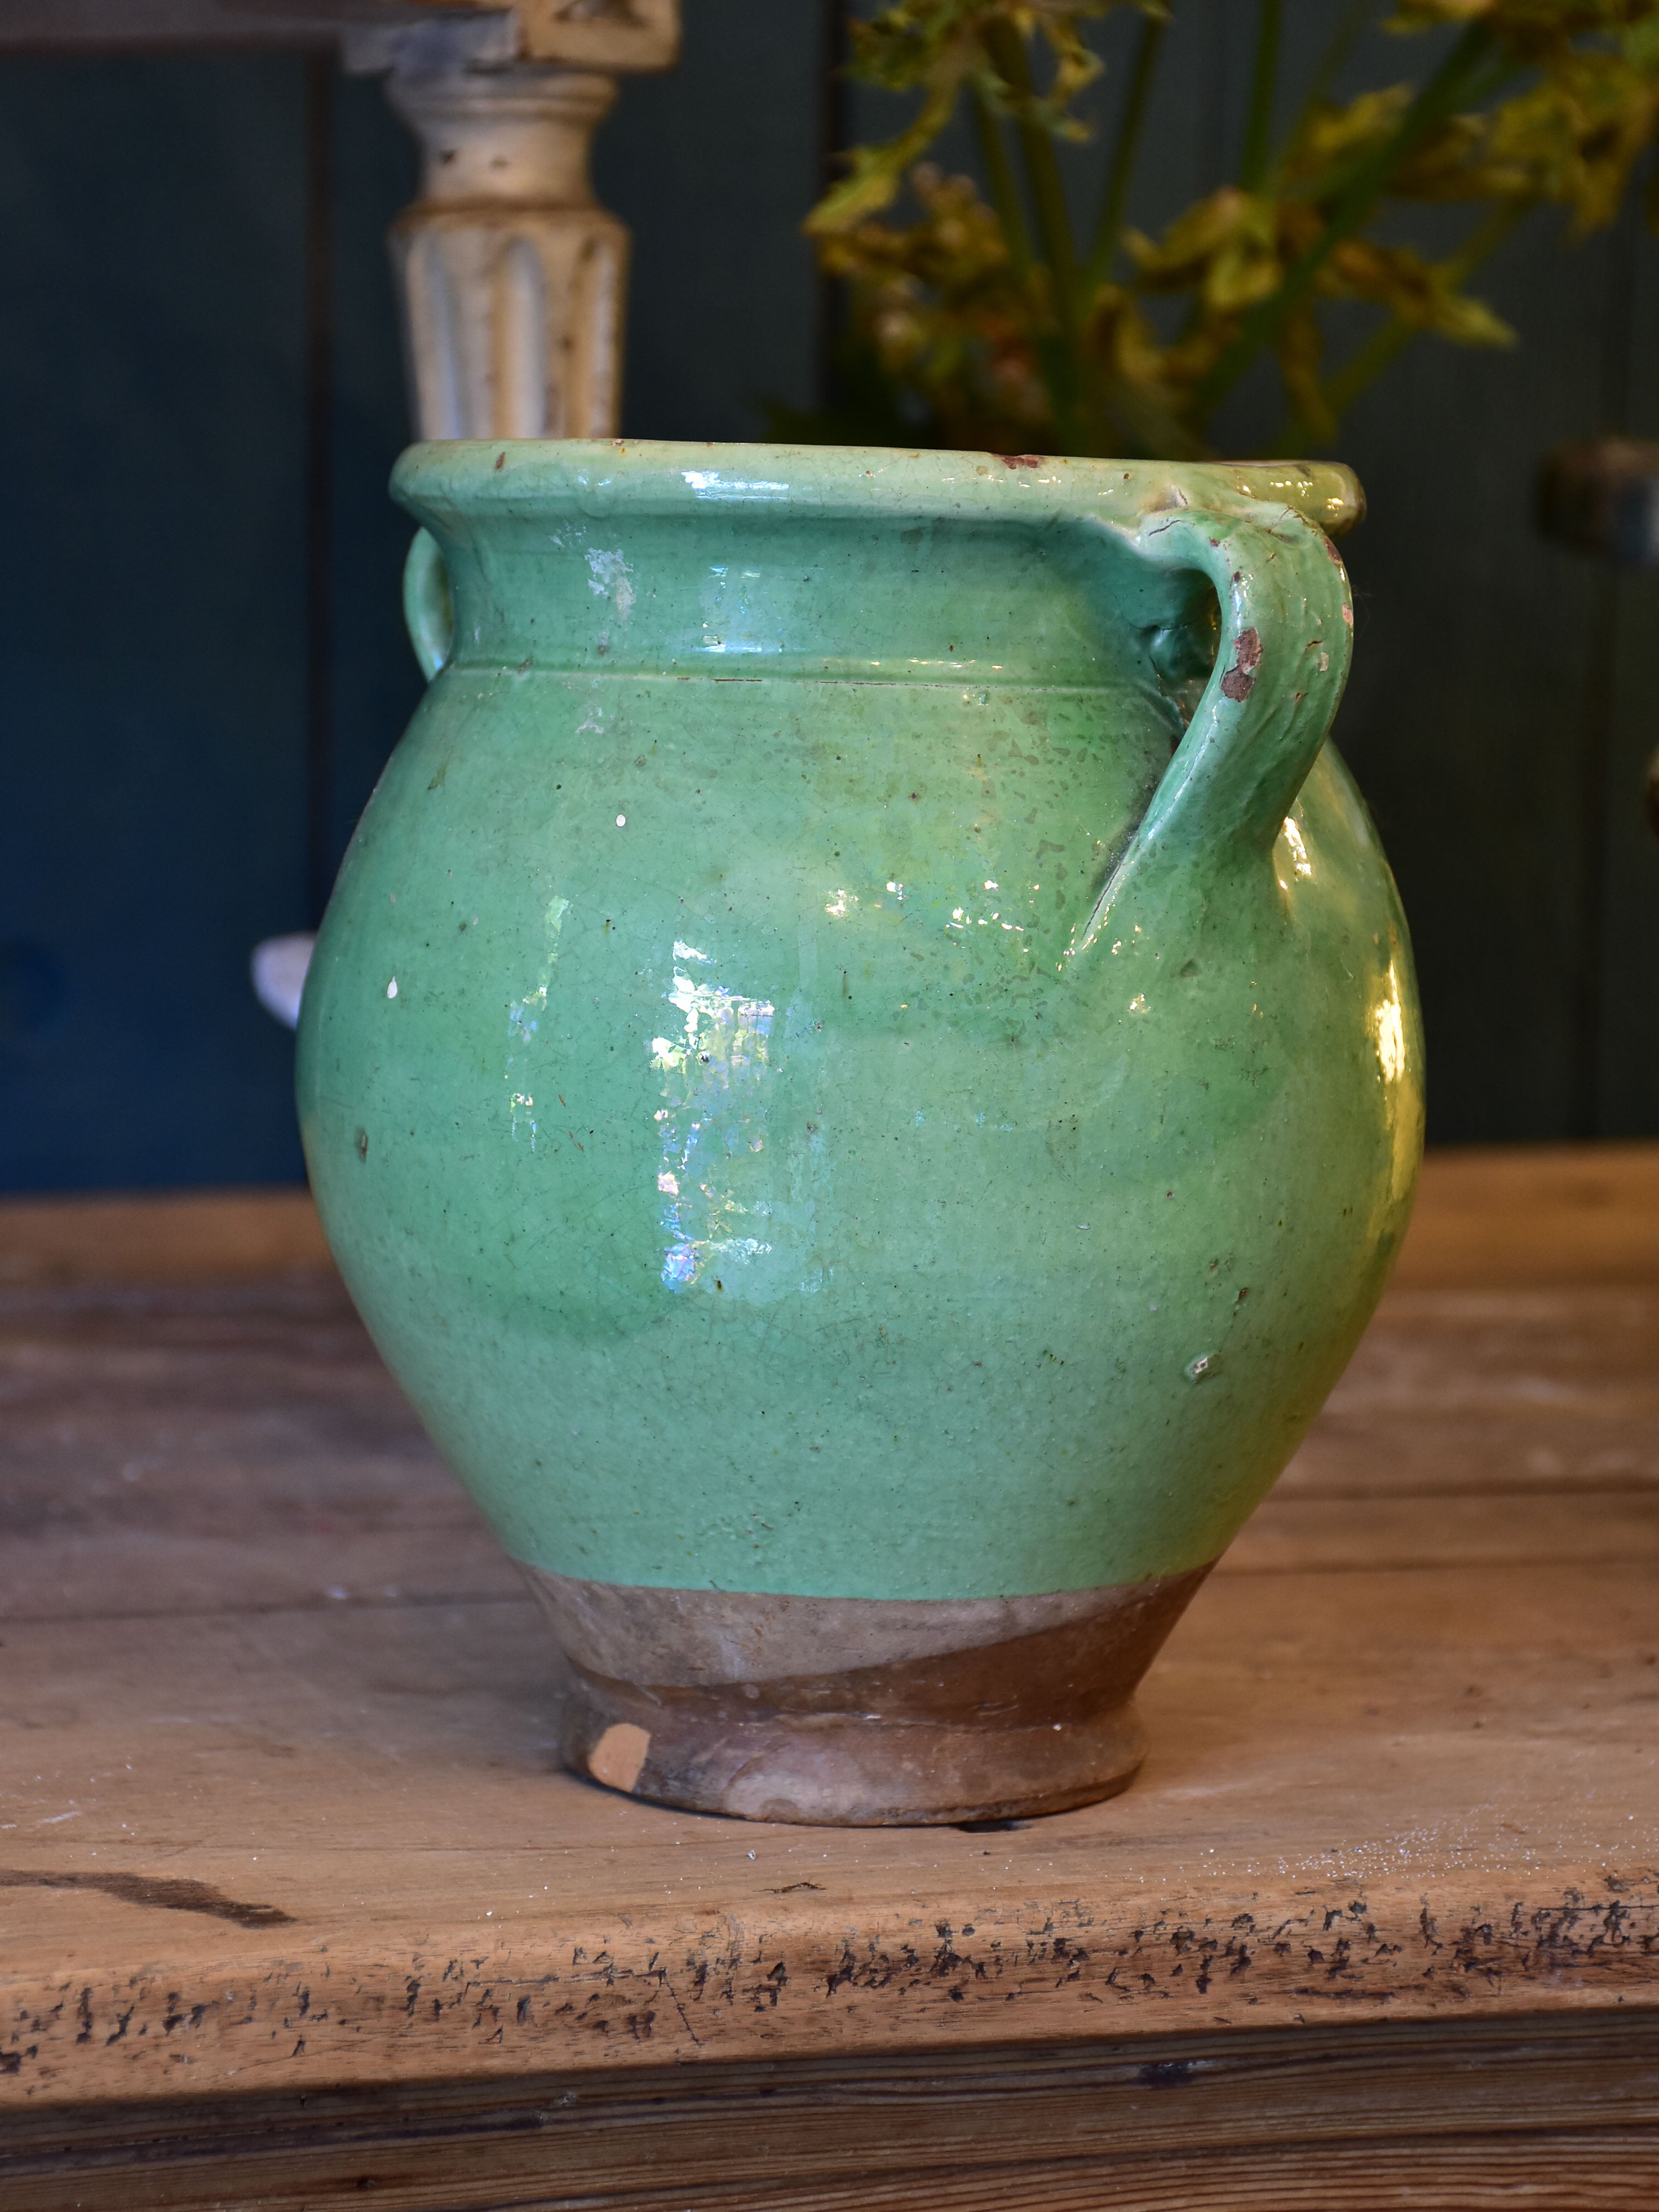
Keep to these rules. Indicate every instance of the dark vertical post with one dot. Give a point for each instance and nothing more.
(1211, 106)
(1617, 338)
(834, 129)
(320, 477)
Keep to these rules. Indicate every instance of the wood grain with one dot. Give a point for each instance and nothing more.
(221, 1446)
(1487, 1217)
(1172, 2122)
(159, 1237)
(1495, 1216)
(279, 1817)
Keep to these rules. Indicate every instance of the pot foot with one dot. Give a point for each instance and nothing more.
(857, 1712)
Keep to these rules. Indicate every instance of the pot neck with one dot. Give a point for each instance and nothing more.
(728, 599)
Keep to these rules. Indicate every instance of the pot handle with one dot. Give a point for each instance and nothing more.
(1286, 636)
(429, 609)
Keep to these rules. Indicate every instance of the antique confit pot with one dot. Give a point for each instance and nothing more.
(863, 1070)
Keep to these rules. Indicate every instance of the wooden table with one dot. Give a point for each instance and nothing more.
(296, 1909)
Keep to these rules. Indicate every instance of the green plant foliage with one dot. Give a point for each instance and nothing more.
(986, 321)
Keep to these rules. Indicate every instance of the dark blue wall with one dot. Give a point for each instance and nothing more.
(202, 665)
(151, 614)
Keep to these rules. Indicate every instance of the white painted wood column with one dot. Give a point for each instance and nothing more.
(511, 278)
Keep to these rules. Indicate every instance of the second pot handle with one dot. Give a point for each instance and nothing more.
(429, 609)
(1286, 636)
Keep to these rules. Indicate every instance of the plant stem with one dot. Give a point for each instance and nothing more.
(1007, 53)
(1367, 362)
(1438, 99)
(1121, 169)
(1385, 345)
(1264, 80)
(1343, 39)
(999, 176)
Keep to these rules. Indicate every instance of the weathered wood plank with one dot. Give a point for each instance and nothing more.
(215, 1447)
(160, 1237)
(226, 1445)
(1336, 1536)
(1096, 2123)
(1498, 1217)
(1486, 1216)
(280, 1813)
(1373, 1795)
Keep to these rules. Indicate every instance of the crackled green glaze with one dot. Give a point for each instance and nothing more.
(815, 1083)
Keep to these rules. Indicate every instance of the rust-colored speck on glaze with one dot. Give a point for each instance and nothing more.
(1239, 678)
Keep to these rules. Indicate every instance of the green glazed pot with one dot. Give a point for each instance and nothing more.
(863, 1071)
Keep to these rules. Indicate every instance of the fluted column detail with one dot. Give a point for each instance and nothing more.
(511, 277)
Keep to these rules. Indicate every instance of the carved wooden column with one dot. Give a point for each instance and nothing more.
(511, 278)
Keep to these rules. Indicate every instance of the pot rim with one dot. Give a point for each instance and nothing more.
(644, 475)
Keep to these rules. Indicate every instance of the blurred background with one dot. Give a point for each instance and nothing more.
(202, 665)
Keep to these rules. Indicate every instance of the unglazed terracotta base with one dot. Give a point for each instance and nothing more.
(857, 1712)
